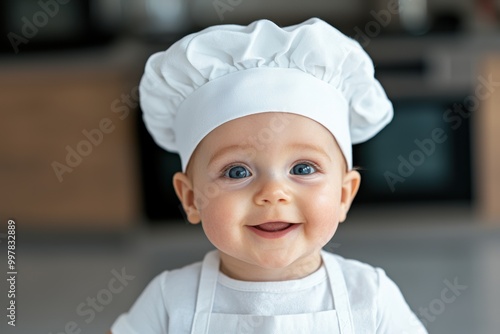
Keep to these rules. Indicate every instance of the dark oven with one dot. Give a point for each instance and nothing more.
(424, 154)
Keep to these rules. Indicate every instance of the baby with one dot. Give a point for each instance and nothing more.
(264, 119)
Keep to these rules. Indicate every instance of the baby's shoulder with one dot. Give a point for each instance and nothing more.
(361, 279)
(186, 275)
(178, 284)
(355, 269)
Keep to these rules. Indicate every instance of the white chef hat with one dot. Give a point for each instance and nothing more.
(229, 71)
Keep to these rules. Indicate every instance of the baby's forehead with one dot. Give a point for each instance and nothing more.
(268, 125)
(270, 131)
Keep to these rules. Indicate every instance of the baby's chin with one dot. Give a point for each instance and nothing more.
(272, 266)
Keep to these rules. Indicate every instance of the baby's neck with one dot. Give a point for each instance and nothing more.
(247, 272)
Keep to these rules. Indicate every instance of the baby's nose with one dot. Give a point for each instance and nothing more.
(272, 191)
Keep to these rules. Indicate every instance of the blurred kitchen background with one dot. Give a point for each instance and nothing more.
(91, 193)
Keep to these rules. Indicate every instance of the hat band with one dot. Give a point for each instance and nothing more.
(260, 90)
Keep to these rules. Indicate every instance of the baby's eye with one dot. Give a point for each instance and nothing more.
(237, 172)
(302, 169)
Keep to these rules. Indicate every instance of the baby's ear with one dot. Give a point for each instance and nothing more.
(350, 186)
(184, 189)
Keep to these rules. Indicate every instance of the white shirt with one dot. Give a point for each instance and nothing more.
(168, 302)
(310, 294)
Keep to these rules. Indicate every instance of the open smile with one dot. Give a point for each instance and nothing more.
(273, 230)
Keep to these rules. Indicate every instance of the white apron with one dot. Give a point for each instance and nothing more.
(332, 321)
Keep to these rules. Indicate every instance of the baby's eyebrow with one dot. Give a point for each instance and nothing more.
(294, 146)
(228, 149)
(310, 147)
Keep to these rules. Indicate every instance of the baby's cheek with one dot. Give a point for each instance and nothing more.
(324, 212)
(326, 201)
(218, 215)
(215, 228)
(221, 225)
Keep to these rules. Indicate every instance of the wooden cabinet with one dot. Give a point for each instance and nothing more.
(487, 142)
(68, 147)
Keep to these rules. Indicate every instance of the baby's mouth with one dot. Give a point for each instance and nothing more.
(274, 230)
(273, 226)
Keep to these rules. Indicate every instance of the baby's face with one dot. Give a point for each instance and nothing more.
(270, 190)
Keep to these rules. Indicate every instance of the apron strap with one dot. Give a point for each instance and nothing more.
(206, 292)
(339, 292)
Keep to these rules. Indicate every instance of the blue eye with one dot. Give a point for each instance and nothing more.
(237, 172)
(302, 169)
